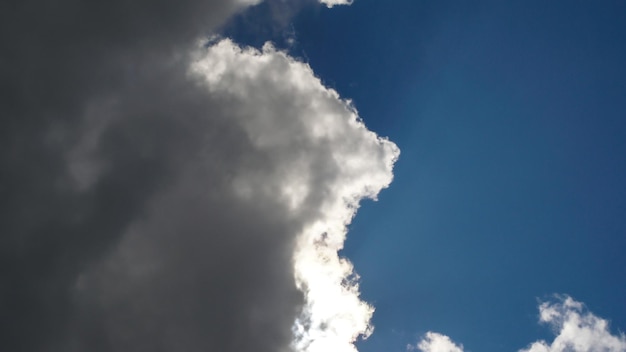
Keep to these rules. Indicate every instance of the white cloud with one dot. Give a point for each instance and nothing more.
(327, 161)
(434, 342)
(331, 3)
(576, 329)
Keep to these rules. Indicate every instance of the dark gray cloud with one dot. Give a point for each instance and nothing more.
(68, 68)
(140, 211)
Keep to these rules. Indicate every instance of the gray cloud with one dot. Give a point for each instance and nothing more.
(77, 77)
(149, 207)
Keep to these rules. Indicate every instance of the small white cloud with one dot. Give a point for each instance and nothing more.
(577, 329)
(435, 342)
(331, 3)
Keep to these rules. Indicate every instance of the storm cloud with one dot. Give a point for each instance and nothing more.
(163, 192)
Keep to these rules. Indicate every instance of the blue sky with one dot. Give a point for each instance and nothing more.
(510, 117)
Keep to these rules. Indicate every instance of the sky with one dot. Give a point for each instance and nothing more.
(303, 175)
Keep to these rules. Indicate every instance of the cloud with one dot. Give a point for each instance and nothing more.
(434, 342)
(331, 3)
(161, 196)
(326, 162)
(576, 330)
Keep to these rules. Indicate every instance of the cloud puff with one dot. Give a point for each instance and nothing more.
(434, 342)
(161, 196)
(576, 329)
(331, 3)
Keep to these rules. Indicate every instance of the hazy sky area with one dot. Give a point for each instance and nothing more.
(313, 176)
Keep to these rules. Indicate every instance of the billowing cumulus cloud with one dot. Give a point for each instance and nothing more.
(576, 330)
(165, 195)
(326, 162)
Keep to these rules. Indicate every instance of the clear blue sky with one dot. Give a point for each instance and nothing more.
(511, 186)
